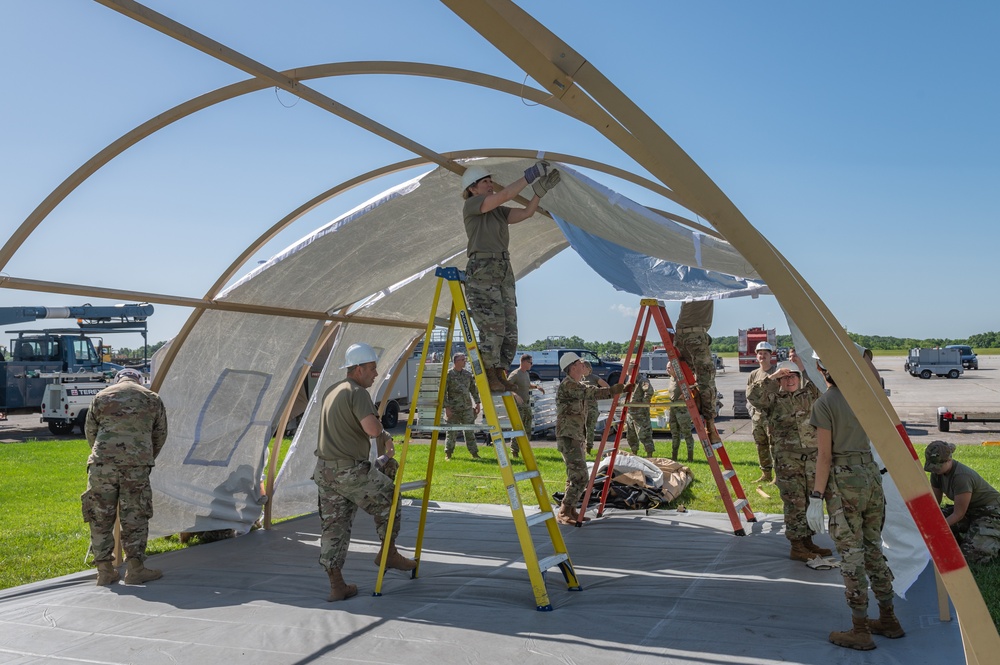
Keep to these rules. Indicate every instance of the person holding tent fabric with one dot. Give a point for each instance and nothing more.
(785, 400)
(850, 481)
(489, 278)
(345, 474)
(694, 346)
(126, 428)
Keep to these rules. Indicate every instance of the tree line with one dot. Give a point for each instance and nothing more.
(729, 343)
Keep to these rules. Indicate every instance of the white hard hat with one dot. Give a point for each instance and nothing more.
(359, 354)
(568, 359)
(790, 366)
(472, 175)
(764, 346)
(128, 374)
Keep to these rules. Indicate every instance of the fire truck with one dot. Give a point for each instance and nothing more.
(749, 338)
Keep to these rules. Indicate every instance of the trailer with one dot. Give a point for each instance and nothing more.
(926, 363)
(948, 416)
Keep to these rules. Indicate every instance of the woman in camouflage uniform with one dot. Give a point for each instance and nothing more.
(975, 517)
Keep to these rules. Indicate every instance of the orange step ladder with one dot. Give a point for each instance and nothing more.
(730, 489)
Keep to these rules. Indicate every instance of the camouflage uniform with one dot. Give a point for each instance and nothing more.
(694, 346)
(794, 446)
(978, 533)
(126, 427)
(458, 386)
(761, 429)
(345, 476)
(522, 381)
(571, 426)
(855, 503)
(489, 282)
(593, 411)
(638, 428)
(680, 422)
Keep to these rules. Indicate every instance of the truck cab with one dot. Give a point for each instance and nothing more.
(969, 358)
(545, 366)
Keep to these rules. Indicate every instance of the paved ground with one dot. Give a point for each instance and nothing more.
(916, 401)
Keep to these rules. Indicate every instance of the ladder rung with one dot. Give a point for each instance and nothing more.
(728, 473)
(449, 428)
(525, 475)
(512, 433)
(538, 518)
(717, 445)
(740, 505)
(550, 561)
(414, 485)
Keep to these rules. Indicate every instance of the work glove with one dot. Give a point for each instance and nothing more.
(617, 389)
(545, 183)
(814, 515)
(538, 170)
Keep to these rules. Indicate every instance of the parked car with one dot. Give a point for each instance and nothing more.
(969, 358)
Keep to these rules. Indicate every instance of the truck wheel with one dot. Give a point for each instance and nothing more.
(943, 425)
(81, 421)
(391, 416)
(534, 377)
(953, 374)
(60, 427)
(926, 374)
(613, 378)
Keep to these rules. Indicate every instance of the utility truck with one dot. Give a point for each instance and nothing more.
(747, 342)
(58, 371)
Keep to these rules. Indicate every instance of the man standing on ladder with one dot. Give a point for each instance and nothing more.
(694, 346)
(761, 430)
(345, 472)
(489, 278)
(459, 385)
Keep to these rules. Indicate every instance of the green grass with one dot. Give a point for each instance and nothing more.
(44, 536)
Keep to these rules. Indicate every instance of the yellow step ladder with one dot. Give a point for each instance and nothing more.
(733, 497)
(498, 436)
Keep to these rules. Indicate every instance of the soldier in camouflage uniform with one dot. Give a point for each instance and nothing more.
(849, 479)
(785, 401)
(680, 419)
(638, 429)
(345, 475)
(761, 430)
(460, 383)
(521, 378)
(593, 410)
(975, 517)
(489, 278)
(694, 346)
(126, 428)
(571, 423)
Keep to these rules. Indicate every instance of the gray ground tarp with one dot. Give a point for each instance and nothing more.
(669, 588)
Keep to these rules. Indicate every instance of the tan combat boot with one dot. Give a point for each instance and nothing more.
(136, 573)
(690, 454)
(674, 451)
(107, 574)
(492, 377)
(396, 560)
(859, 637)
(813, 547)
(565, 515)
(886, 625)
(765, 476)
(502, 375)
(339, 590)
(800, 552)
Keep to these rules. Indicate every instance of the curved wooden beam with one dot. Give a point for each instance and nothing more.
(568, 75)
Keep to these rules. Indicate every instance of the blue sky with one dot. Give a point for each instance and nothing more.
(860, 138)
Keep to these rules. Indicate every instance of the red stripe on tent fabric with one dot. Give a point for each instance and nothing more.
(940, 541)
(901, 428)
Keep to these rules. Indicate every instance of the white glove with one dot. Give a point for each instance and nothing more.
(814, 515)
